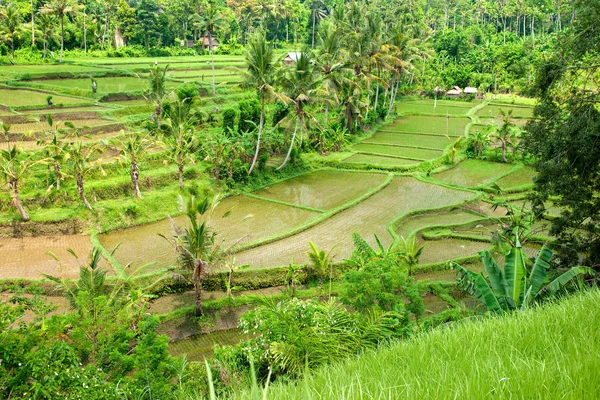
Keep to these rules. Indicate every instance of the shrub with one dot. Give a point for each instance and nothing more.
(187, 91)
(229, 115)
(249, 115)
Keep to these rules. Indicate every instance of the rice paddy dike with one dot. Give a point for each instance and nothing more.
(396, 181)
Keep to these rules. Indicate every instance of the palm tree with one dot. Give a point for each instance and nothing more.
(321, 263)
(56, 151)
(14, 165)
(11, 24)
(409, 252)
(505, 132)
(195, 245)
(330, 46)
(80, 161)
(156, 91)
(178, 133)
(6, 132)
(212, 20)
(133, 146)
(350, 94)
(299, 85)
(46, 27)
(60, 8)
(317, 11)
(260, 74)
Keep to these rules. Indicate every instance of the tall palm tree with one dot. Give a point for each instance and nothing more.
(212, 21)
(156, 91)
(133, 146)
(260, 74)
(505, 132)
(318, 13)
(11, 24)
(14, 165)
(81, 160)
(47, 28)
(178, 134)
(299, 84)
(330, 67)
(55, 151)
(60, 8)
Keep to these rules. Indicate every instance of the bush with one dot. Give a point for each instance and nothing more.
(280, 112)
(229, 115)
(187, 91)
(249, 115)
(234, 49)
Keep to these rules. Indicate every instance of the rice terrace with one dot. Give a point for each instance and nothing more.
(326, 199)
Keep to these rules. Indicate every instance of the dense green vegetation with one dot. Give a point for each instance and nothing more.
(249, 215)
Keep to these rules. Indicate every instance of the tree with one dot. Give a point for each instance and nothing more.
(409, 252)
(212, 21)
(178, 133)
(260, 74)
(195, 245)
(14, 165)
(81, 160)
(505, 132)
(61, 8)
(156, 91)
(321, 263)
(6, 132)
(515, 287)
(47, 28)
(55, 150)
(133, 146)
(11, 24)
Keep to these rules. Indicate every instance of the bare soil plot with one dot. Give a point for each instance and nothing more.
(410, 139)
(250, 220)
(323, 190)
(369, 217)
(28, 257)
(24, 97)
(454, 126)
(378, 160)
(471, 173)
(448, 249)
(406, 152)
(201, 346)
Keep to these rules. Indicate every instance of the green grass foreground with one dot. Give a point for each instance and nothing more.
(552, 352)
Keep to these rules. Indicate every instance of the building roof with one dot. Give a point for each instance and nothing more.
(204, 41)
(293, 56)
(469, 89)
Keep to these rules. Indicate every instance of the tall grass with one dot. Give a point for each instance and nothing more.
(552, 352)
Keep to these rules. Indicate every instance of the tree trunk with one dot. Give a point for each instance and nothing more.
(376, 97)
(504, 160)
(327, 109)
(212, 53)
(260, 129)
(287, 157)
(57, 174)
(62, 37)
(135, 176)
(14, 184)
(180, 172)
(44, 49)
(84, 32)
(199, 272)
(79, 180)
(32, 24)
(313, 28)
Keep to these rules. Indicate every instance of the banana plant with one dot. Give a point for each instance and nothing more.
(515, 287)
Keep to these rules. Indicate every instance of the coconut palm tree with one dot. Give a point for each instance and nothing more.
(81, 160)
(330, 67)
(505, 132)
(178, 133)
(133, 146)
(299, 84)
(156, 91)
(212, 21)
(14, 165)
(260, 74)
(409, 252)
(321, 262)
(54, 150)
(318, 13)
(61, 8)
(10, 18)
(46, 25)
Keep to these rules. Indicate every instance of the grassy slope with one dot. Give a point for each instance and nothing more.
(549, 353)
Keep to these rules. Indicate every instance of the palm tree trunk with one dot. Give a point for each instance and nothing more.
(376, 98)
(260, 129)
(135, 176)
(504, 160)
(62, 37)
(212, 53)
(368, 98)
(287, 157)
(180, 172)
(57, 174)
(44, 49)
(16, 201)
(327, 108)
(197, 277)
(313, 28)
(79, 179)
(32, 24)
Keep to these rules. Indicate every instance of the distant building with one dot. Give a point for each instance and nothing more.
(292, 57)
(205, 42)
(454, 92)
(471, 90)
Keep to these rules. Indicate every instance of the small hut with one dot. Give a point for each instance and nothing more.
(471, 90)
(454, 92)
(206, 44)
(292, 57)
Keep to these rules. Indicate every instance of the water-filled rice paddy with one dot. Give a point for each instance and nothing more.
(371, 216)
(454, 126)
(47, 69)
(448, 249)
(38, 126)
(396, 151)
(24, 97)
(250, 219)
(442, 107)
(521, 177)
(323, 190)
(471, 173)
(410, 139)
(378, 160)
(495, 110)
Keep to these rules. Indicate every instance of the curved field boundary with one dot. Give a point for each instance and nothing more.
(284, 203)
(417, 133)
(402, 145)
(390, 156)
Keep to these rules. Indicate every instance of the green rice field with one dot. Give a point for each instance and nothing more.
(396, 151)
(361, 158)
(522, 177)
(428, 124)
(427, 107)
(33, 98)
(410, 139)
(105, 85)
(472, 173)
(495, 110)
